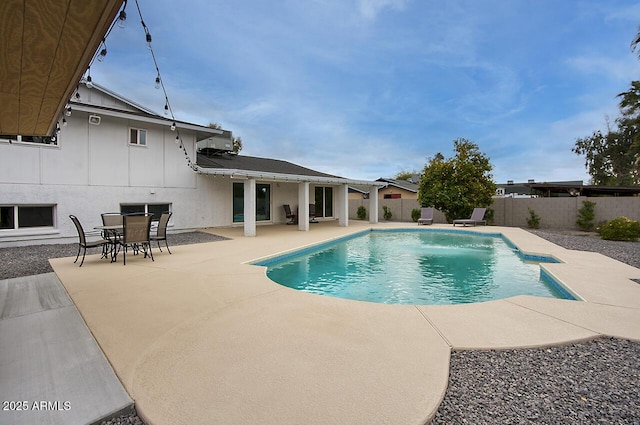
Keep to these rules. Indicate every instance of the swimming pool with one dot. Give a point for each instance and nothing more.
(415, 267)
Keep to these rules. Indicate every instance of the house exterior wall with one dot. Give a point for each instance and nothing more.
(94, 169)
(390, 190)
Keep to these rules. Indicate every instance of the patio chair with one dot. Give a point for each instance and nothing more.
(426, 216)
(312, 213)
(293, 218)
(161, 234)
(477, 217)
(135, 234)
(83, 244)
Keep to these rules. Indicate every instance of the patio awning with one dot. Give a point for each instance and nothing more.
(46, 47)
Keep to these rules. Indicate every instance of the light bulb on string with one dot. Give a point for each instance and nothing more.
(64, 122)
(103, 52)
(89, 82)
(67, 111)
(157, 82)
(166, 108)
(148, 37)
(177, 139)
(173, 126)
(122, 18)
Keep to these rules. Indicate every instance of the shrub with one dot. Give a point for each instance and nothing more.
(387, 213)
(586, 215)
(361, 213)
(534, 219)
(620, 229)
(415, 214)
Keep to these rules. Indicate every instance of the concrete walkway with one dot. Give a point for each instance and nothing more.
(201, 337)
(51, 369)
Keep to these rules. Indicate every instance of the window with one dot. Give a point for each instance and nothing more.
(155, 209)
(392, 195)
(138, 136)
(43, 140)
(26, 216)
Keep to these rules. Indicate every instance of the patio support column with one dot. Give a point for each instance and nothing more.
(303, 206)
(342, 198)
(250, 207)
(373, 205)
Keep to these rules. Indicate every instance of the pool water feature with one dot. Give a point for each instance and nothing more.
(415, 267)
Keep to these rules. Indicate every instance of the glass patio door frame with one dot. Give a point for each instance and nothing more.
(263, 202)
(323, 198)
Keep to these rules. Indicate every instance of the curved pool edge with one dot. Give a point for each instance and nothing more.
(275, 324)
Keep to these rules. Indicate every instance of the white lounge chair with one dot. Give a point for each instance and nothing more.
(426, 216)
(477, 217)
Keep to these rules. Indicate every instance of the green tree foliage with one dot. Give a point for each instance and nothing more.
(404, 175)
(457, 185)
(611, 158)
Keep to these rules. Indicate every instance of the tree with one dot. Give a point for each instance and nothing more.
(405, 175)
(457, 185)
(611, 158)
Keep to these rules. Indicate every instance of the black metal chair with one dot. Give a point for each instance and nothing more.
(161, 234)
(293, 218)
(135, 234)
(83, 244)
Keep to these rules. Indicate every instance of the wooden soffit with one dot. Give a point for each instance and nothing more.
(45, 48)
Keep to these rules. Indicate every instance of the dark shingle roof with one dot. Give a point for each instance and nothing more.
(252, 163)
(402, 184)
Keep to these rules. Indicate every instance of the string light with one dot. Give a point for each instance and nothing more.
(103, 52)
(123, 15)
(89, 82)
(159, 84)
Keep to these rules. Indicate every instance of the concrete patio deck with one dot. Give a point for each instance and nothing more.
(201, 337)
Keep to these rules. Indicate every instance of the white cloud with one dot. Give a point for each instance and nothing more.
(370, 9)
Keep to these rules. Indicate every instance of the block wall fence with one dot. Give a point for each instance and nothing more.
(554, 213)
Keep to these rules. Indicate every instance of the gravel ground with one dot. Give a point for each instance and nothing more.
(595, 382)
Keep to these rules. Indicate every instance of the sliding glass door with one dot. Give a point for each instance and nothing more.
(324, 201)
(263, 202)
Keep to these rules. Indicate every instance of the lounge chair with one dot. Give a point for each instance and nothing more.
(82, 242)
(293, 218)
(426, 216)
(312, 213)
(161, 233)
(477, 217)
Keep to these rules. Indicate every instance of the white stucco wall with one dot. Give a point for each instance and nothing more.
(94, 169)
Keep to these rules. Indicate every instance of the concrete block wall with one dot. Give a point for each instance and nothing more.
(554, 213)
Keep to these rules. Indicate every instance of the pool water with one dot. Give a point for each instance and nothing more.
(415, 267)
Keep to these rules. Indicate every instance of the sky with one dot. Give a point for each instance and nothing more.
(365, 89)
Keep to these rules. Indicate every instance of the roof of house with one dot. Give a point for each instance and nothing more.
(241, 166)
(252, 163)
(402, 184)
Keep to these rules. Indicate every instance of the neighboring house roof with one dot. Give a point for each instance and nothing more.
(401, 184)
(582, 190)
(265, 168)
